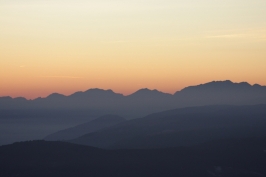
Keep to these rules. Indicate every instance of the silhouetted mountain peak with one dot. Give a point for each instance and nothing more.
(148, 92)
(257, 85)
(218, 82)
(226, 83)
(55, 95)
(6, 98)
(20, 99)
(95, 92)
(244, 84)
(217, 85)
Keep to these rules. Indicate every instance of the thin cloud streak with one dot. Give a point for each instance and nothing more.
(248, 33)
(238, 36)
(68, 77)
(95, 6)
(117, 41)
(227, 36)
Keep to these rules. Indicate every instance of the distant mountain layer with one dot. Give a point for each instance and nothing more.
(89, 127)
(181, 127)
(145, 101)
(224, 158)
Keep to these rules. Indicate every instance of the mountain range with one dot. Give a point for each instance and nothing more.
(143, 101)
(20, 118)
(212, 129)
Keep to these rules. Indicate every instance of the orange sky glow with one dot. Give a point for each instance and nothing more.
(68, 46)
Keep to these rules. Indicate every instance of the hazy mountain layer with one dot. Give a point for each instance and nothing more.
(22, 119)
(92, 126)
(183, 126)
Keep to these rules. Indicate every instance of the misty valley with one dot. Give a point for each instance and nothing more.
(213, 129)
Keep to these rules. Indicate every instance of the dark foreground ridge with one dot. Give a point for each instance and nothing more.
(224, 158)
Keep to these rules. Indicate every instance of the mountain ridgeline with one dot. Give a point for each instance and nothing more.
(143, 101)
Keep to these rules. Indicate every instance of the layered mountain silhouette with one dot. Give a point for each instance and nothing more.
(143, 101)
(181, 127)
(224, 158)
(212, 129)
(89, 127)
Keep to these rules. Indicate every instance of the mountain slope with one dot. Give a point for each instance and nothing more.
(184, 126)
(92, 126)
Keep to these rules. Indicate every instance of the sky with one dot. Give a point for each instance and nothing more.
(65, 46)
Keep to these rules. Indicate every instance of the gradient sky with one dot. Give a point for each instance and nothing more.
(65, 46)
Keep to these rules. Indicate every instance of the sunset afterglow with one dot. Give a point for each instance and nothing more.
(68, 46)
